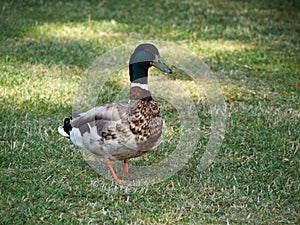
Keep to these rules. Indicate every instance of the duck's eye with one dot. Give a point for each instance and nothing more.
(157, 59)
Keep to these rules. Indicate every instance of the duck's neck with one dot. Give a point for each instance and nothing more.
(139, 91)
(138, 73)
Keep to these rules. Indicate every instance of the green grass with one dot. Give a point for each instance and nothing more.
(253, 48)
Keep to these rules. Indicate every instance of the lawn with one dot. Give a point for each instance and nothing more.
(251, 46)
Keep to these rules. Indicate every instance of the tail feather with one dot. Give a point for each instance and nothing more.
(66, 128)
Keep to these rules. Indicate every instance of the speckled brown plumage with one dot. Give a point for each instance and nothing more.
(145, 122)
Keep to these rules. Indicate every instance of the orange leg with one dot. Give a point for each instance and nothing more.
(111, 170)
(125, 169)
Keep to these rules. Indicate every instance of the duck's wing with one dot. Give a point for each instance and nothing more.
(104, 131)
(108, 112)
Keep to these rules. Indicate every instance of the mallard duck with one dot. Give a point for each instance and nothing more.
(122, 130)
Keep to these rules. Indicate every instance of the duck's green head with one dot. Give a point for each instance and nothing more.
(143, 57)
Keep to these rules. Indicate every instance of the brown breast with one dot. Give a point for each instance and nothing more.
(145, 122)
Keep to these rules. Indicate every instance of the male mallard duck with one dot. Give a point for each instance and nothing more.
(122, 130)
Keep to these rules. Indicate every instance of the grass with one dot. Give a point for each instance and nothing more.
(253, 48)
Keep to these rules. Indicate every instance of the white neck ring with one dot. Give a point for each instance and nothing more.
(142, 86)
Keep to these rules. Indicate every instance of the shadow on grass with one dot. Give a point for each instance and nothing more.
(191, 19)
(53, 52)
(174, 21)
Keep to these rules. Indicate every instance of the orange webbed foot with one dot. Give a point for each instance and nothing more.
(111, 170)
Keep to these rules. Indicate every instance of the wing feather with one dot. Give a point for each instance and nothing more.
(109, 112)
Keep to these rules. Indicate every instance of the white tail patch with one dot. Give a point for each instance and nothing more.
(62, 132)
